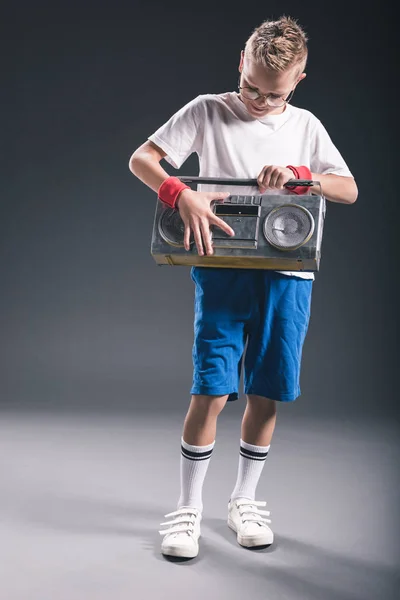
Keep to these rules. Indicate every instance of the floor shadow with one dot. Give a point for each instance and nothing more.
(305, 570)
(291, 567)
(89, 516)
(83, 515)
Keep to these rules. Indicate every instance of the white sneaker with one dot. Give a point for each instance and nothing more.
(181, 538)
(247, 521)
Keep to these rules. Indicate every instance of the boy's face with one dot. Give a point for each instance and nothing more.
(265, 81)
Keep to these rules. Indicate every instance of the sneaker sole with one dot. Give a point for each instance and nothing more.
(252, 540)
(180, 552)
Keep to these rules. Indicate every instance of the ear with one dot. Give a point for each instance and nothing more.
(301, 77)
(241, 61)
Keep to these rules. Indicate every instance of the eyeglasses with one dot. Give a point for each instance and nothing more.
(272, 99)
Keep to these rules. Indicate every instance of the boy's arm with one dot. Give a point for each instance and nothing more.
(194, 207)
(145, 164)
(337, 188)
(330, 169)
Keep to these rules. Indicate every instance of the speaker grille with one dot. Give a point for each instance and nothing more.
(171, 227)
(289, 226)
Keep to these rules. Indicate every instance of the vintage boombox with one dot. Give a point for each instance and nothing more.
(282, 232)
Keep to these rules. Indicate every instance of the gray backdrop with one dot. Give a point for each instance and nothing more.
(92, 328)
(87, 316)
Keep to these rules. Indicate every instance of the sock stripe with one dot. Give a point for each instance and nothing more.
(195, 455)
(195, 459)
(253, 455)
(252, 458)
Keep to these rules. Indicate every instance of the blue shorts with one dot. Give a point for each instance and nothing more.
(268, 310)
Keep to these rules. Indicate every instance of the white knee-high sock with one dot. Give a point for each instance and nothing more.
(251, 463)
(194, 465)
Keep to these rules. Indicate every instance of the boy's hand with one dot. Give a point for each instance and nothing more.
(274, 177)
(194, 208)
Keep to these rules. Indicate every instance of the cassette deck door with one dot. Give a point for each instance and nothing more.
(244, 220)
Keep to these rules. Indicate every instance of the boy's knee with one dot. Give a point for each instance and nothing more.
(261, 403)
(211, 405)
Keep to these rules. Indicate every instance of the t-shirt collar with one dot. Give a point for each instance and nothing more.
(272, 121)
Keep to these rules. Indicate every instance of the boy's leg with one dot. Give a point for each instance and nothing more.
(272, 367)
(272, 372)
(244, 515)
(223, 300)
(197, 444)
(259, 420)
(200, 424)
(258, 425)
(221, 306)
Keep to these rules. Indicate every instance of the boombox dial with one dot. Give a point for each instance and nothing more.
(288, 227)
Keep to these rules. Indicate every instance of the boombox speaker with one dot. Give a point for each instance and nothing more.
(282, 232)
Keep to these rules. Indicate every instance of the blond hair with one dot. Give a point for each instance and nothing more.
(278, 45)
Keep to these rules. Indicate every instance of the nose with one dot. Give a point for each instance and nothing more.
(261, 100)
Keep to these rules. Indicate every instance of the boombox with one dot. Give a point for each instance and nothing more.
(282, 232)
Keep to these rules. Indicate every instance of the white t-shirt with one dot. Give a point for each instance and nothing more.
(230, 142)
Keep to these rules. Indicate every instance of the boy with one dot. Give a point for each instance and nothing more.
(255, 133)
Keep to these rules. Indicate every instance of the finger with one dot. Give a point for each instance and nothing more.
(205, 230)
(274, 178)
(266, 181)
(281, 181)
(218, 196)
(186, 237)
(260, 178)
(222, 224)
(197, 239)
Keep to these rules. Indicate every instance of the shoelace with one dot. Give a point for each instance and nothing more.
(184, 523)
(252, 513)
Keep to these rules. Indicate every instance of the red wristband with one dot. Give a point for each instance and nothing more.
(170, 189)
(300, 173)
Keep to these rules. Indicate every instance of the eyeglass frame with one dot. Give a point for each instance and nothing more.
(266, 96)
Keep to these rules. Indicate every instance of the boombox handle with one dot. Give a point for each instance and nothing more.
(247, 182)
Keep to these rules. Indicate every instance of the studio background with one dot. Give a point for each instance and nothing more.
(87, 316)
(96, 339)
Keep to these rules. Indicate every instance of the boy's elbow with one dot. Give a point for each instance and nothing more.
(353, 193)
(133, 161)
(349, 192)
(146, 152)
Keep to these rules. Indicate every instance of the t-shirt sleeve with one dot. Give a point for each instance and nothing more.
(325, 157)
(182, 134)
